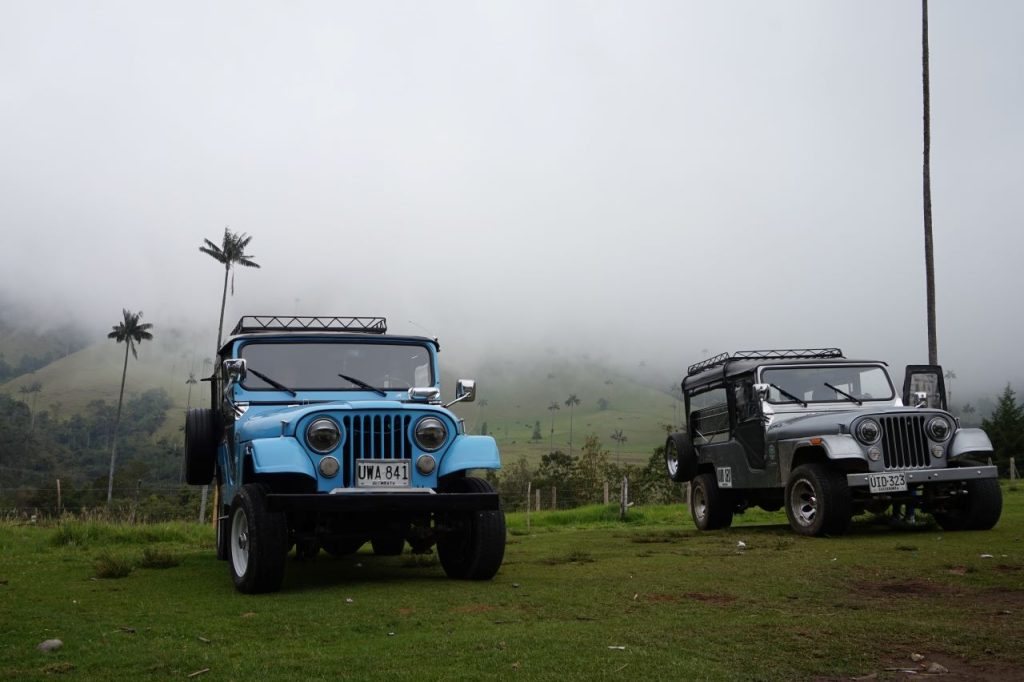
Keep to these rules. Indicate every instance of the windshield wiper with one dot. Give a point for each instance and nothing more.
(362, 384)
(844, 394)
(278, 386)
(788, 394)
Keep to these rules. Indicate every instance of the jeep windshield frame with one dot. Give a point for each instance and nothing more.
(314, 364)
(808, 383)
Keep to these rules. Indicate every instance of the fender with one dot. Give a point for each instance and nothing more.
(470, 452)
(280, 456)
(967, 441)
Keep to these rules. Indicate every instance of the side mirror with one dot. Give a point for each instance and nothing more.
(761, 391)
(425, 395)
(235, 369)
(465, 391)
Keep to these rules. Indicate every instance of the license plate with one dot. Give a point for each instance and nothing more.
(892, 482)
(382, 473)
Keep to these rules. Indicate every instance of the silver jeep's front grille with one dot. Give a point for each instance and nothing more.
(904, 443)
(374, 436)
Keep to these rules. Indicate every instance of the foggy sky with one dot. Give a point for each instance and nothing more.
(641, 180)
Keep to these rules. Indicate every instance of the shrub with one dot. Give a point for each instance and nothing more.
(110, 566)
(154, 557)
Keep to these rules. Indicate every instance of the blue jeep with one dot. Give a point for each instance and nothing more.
(326, 432)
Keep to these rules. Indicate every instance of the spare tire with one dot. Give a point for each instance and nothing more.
(680, 458)
(201, 438)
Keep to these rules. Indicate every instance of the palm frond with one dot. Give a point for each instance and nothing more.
(244, 260)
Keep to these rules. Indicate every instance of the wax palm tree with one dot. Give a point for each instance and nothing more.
(129, 331)
(231, 252)
(571, 402)
(929, 259)
(552, 408)
(191, 381)
(950, 375)
(619, 438)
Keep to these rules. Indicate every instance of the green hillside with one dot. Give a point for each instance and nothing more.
(513, 394)
(69, 384)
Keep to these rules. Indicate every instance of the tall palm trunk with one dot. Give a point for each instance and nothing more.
(223, 301)
(570, 430)
(929, 263)
(220, 335)
(117, 422)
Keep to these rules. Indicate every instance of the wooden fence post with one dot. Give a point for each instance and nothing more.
(554, 498)
(623, 499)
(538, 499)
(59, 505)
(1013, 470)
(529, 485)
(606, 493)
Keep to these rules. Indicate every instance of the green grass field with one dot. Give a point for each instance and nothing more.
(580, 595)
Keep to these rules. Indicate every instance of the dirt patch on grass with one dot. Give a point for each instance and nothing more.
(473, 608)
(956, 668)
(719, 599)
(996, 600)
(911, 587)
(935, 665)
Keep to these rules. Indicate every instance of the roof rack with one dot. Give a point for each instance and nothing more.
(275, 323)
(786, 354)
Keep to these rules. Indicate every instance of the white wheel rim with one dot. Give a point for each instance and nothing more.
(803, 502)
(700, 502)
(240, 542)
(671, 460)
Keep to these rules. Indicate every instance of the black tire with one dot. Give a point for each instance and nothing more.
(339, 547)
(258, 542)
(710, 506)
(980, 508)
(473, 544)
(201, 438)
(387, 546)
(818, 501)
(680, 458)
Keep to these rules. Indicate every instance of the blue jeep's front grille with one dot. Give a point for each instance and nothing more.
(904, 443)
(374, 436)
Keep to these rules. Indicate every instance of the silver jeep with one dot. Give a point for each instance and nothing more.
(827, 438)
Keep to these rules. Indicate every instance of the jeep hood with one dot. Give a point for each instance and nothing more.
(261, 421)
(789, 425)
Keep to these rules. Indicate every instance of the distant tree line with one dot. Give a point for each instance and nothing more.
(580, 479)
(27, 364)
(75, 449)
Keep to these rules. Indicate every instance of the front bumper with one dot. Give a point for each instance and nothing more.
(917, 476)
(383, 502)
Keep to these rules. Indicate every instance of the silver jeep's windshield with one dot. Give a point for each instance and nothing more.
(314, 366)
(827, 384)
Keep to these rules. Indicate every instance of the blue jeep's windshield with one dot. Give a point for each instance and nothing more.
(315, 366)
(862, 382)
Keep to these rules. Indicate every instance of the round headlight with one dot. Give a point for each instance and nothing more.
(430, 433)
(323, 435)
(329, 467)
(938, 429)
(425, 464)
(868, 431)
